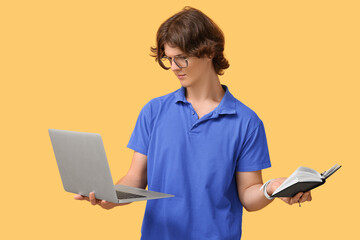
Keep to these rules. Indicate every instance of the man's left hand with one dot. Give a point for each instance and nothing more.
(298, 198)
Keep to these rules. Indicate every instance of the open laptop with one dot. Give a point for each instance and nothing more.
(84, 168)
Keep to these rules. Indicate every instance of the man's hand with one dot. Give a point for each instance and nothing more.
(102, 203)
(298, 198)
(136, 177)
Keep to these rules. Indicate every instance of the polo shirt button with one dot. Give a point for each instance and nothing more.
(193, 113)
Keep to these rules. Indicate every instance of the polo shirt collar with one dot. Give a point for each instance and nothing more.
(226, 106)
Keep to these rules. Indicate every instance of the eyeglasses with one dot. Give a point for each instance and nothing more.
(180, 61)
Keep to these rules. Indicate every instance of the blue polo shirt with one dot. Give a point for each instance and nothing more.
(196, 160)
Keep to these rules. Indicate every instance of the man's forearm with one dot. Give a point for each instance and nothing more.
(132, 181)
(253, 198)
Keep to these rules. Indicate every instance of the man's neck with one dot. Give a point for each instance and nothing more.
(206, 91)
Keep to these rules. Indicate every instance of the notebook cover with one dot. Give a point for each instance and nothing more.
(298, 187)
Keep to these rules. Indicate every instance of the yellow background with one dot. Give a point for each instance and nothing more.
(85, 66)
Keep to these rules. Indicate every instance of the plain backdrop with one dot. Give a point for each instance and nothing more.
(85, 66)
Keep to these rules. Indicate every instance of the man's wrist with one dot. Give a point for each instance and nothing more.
(267, 193)
(269, 189)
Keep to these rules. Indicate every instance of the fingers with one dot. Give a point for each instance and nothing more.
(103, 204)
(301, 197)
(80, 197)
(93, 200)
(286, 199)
(298, 198)
(273, 185)
(107, 205)
(305, 197)
(295, 199)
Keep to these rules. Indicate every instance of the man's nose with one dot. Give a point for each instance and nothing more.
(174, 67)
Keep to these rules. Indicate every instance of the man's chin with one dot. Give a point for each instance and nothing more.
(185, 84)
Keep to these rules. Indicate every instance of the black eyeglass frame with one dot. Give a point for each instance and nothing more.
(173, 59)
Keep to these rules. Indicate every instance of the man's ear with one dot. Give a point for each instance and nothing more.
(211, 56)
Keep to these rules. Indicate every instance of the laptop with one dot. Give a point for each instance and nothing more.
(84, 168)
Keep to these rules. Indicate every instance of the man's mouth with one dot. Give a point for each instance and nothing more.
(181, 76)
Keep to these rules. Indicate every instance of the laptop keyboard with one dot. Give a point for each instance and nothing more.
(125, 195)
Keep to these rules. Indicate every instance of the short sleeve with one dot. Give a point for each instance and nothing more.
(254, 154)
(139, 140)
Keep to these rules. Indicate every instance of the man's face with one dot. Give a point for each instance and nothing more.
(196, 71)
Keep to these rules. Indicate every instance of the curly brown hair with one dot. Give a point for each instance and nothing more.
(195, 34)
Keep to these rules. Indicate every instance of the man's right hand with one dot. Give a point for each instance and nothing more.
(102, 203)
(138, 169)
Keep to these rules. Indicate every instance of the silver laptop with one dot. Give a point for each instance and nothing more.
(84, 168)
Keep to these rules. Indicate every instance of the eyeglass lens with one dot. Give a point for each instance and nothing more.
(180, 61)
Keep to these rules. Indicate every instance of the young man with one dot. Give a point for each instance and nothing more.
(198, 143)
